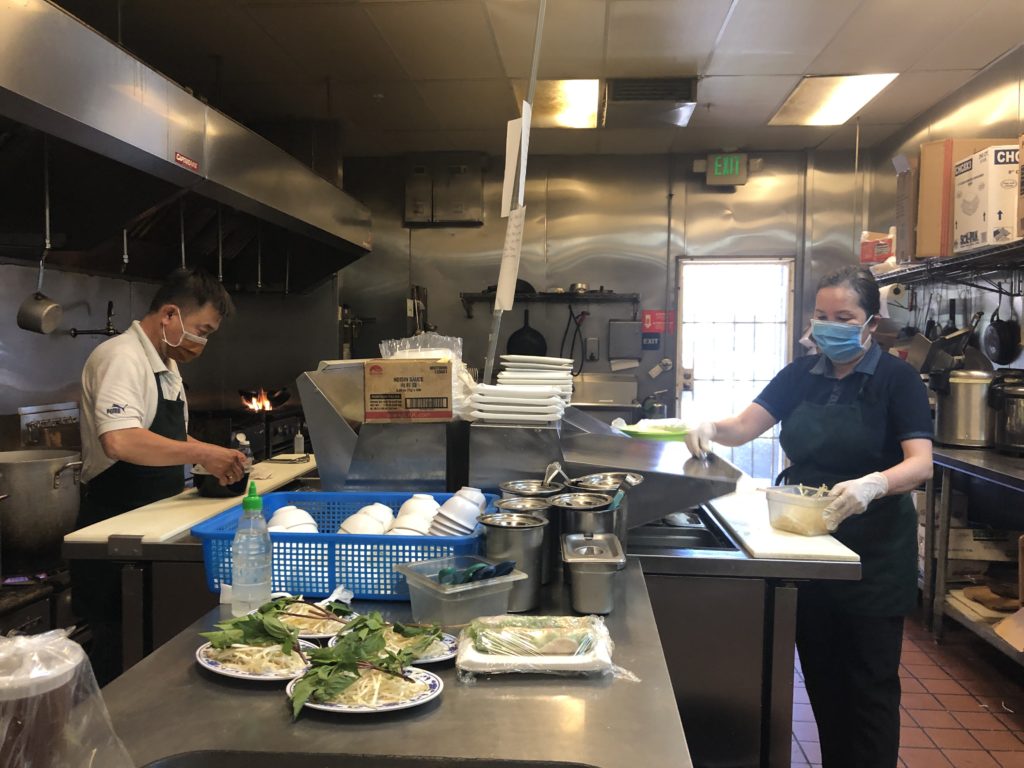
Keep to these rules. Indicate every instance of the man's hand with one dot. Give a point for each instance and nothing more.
(226, 464)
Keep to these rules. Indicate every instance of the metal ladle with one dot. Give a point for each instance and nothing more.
(39, 313)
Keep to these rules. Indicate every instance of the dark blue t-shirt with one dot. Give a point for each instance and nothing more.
(894, 397)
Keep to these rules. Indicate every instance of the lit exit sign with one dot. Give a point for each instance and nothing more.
(727, 170)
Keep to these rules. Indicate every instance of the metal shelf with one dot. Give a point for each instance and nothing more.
(550, 297)
(983, 630)
(956, 268)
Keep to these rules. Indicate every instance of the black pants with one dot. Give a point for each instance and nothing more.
(851, 669)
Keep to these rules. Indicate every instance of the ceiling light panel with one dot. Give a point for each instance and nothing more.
(830, 100)
(562, 103)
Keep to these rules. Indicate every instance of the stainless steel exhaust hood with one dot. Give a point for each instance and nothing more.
(61, 77)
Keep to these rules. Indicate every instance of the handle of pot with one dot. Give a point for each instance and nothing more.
(75, 465)
(3, 496)
(995, 397)
(939, 382)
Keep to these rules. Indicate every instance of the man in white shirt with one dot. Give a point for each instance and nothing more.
(134, 435)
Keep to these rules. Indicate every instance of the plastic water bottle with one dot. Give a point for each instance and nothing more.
(251, 557)
(246, 449)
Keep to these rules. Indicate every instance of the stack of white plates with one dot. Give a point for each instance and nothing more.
(531, 370)
(525, 404)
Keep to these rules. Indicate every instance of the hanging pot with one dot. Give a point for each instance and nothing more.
(527, 340)
(39, 313)
(1001, 340)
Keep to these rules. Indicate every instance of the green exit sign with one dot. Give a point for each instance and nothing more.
(727, 170)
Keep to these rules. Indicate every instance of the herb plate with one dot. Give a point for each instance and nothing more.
(218, 667)
(450, 643)
(434, 687)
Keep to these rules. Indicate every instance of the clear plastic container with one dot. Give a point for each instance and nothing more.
(790, 510)
(455, 604)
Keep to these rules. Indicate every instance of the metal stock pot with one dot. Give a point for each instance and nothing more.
(42, 504)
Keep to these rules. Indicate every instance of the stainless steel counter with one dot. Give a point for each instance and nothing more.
(167, 705)
(986, 464)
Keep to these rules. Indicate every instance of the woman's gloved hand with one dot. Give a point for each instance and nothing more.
(852, 497)
(698, 439)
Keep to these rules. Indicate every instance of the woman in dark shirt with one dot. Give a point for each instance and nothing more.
(857, 420)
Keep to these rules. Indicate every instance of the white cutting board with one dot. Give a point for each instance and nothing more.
(745, 514)
(163, 520)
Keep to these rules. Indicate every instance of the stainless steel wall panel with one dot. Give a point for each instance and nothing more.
(760, 218)
(37, 369)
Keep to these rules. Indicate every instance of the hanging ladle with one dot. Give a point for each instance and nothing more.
(39, 313)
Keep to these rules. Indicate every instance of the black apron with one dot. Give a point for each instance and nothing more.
(827, 444)
(118, 489)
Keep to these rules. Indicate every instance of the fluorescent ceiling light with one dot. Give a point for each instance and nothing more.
(830, 100)
(562, 103)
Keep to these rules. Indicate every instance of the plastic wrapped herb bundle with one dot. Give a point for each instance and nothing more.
(51, 711)
(537, 644)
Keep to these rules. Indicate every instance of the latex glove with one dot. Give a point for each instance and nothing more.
(852, 497)
(698, 439)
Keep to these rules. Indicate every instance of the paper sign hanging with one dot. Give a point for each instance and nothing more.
(525, 140)
(509, 273)
(513, 139)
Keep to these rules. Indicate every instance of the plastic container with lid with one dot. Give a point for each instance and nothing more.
(51, 711)
(797, 509)
(455, 604)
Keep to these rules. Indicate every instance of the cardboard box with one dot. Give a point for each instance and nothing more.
(906, 208)
(401, 390)
(957, 508)
(1020, 190)
(935, 193)
(983, 544)
(985, 188)
(876, 247)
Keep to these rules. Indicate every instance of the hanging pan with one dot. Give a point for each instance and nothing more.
(1001, 340)
(39, 313)
(527, 340)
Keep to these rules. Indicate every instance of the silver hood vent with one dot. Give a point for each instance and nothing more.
(61, 77)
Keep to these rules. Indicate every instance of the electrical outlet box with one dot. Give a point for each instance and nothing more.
(591, 348)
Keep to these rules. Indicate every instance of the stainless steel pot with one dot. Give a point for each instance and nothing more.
(539, 507)
(585, 512)
(962, 414)
(42, 487)
(1006, 399)
(609, 483)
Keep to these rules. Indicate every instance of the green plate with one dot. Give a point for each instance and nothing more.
(663, 435)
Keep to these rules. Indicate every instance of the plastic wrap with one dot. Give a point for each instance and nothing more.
(433, 345)
(51, 712)
(557, 645)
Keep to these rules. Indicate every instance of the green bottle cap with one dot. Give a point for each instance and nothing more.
(252, 502)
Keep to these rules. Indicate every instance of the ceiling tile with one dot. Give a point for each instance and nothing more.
(360, 143)
(491, 142)
(749, 100)
(270, 100)
(390, 105)
(777, 37)
(845, 136)
(563, 141)
(573, 41)
(635, 141)
(662, 37)
(889, 36)
(996, 27)
(910, 94)
(439, 39)
(470, 104)
(768, 137)
(337, 41)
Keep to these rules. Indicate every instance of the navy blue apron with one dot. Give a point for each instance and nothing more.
(118, 489)
(827, 444)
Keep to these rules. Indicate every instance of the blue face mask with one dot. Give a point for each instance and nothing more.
(839, 342)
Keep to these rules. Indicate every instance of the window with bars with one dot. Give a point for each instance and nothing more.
(735, 328)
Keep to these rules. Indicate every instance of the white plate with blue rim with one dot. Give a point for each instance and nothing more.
(433, 687)
(205, 659)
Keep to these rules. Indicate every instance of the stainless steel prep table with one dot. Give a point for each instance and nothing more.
(167, 705)
(990, 467)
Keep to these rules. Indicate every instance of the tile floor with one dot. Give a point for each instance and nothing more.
(962, 707)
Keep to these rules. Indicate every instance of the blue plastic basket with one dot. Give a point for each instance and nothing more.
(313, 564)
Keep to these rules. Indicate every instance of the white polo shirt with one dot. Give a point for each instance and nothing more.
(119, 392)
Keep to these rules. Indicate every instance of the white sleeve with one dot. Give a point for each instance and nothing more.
(115, 389)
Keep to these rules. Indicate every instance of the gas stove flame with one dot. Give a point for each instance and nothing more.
(258, 403)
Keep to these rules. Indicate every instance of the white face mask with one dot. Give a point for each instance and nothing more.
(198, 341)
